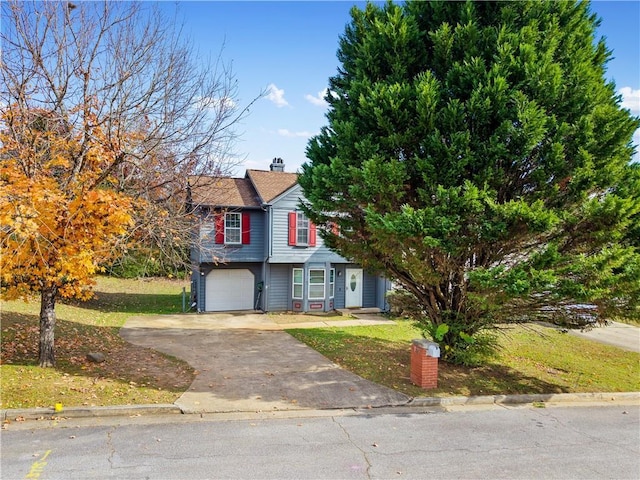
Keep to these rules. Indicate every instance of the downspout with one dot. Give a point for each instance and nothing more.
(266, 267)
(327, 286)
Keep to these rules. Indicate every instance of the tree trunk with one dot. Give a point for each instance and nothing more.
(47, 326)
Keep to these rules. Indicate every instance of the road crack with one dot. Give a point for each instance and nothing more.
(592, 437)
(111, 448)
(364, 453)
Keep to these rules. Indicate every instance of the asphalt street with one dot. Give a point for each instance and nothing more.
(581, 442)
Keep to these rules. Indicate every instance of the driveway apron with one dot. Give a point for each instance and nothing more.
(246, 363)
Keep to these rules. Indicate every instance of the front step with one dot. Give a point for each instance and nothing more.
(356, 311)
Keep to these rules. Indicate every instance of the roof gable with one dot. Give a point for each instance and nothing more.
(223, 192)
(293, 195)
(270, 185)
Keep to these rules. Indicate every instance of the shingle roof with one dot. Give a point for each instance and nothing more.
(271, 184)
(223, 192)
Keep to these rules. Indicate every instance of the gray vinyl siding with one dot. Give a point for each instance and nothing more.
(338, 301)
(290, 200)
(279, 288)
(281, 251)
(369, 290)
(252, 252)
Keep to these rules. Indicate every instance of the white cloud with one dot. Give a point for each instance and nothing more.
(318, 100)
(287, 133)
(631, 99)
(276, 95)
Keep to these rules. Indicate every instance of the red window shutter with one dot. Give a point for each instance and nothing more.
(312, 234)
(292, 228)
(219, 227)
(246, 228)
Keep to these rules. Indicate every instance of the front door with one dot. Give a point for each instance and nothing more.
(353, 288)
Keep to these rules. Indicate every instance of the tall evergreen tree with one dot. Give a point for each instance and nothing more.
(476, 154)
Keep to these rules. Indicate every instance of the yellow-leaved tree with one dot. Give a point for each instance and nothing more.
(105, 111)
(59, 215)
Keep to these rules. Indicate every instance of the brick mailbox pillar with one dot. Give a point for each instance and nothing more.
(424, 363)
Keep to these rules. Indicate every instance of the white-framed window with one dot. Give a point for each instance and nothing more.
(302, 229)
(298, 283)
(233, 228)
(332, 282)
(316, 284)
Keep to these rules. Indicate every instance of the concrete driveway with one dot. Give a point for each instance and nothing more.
(617, 334)
(245, 362)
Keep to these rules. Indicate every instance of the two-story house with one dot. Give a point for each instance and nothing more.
(256, 250)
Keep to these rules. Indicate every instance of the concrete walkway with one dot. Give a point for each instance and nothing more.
(245, 362)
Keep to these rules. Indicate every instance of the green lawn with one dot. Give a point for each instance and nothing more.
(531, 359)
(130, 375)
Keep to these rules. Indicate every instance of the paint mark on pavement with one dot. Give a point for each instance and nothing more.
(38, 467)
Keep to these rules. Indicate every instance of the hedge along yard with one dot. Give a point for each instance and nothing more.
(531, 359)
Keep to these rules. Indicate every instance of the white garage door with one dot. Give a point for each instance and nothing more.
(229, 290)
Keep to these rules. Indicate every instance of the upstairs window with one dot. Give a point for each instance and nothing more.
(233, 228)
(302, 229)
(302, 232)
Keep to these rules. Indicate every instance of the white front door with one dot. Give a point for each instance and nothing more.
(353, 288)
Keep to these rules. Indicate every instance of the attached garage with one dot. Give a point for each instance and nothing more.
(229, 289)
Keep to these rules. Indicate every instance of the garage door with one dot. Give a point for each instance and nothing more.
(229, 290)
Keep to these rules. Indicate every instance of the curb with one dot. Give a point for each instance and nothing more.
(165, 409)
(84, 412)
(525, 398)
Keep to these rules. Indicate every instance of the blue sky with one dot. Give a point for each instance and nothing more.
(289, 49)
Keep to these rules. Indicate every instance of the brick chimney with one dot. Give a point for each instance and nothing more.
(277, 165)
